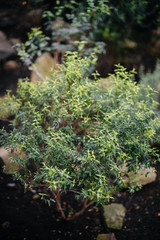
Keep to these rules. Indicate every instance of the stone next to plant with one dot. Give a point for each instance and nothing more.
(77, 134)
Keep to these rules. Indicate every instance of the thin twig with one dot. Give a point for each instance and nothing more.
(56, 195)
(37, 73)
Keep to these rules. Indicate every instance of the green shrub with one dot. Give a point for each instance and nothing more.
(134, 20)
(8, 106)
(77, 134)
(151, 79)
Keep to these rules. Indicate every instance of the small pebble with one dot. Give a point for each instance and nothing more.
(11, 185)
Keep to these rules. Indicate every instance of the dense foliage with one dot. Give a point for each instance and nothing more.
(132, 20)
(78, 134)
(72, 22)
(115, 20)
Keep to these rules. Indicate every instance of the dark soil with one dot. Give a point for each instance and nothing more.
(142, 219)
(9, 78)
(25, 216)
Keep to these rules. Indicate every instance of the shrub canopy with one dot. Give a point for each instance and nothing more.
(79, 133)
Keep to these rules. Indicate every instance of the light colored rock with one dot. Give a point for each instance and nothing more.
(11, 185)
(142, 177)
(3, 35)
(6, 49)
(35, 196)
(109, 236)
(5, 155)
(114, 215)
(11, 65)
(130, 44)
(43, 65)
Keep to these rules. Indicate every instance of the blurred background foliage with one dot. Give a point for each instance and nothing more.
(119, 31)
(117, 19)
